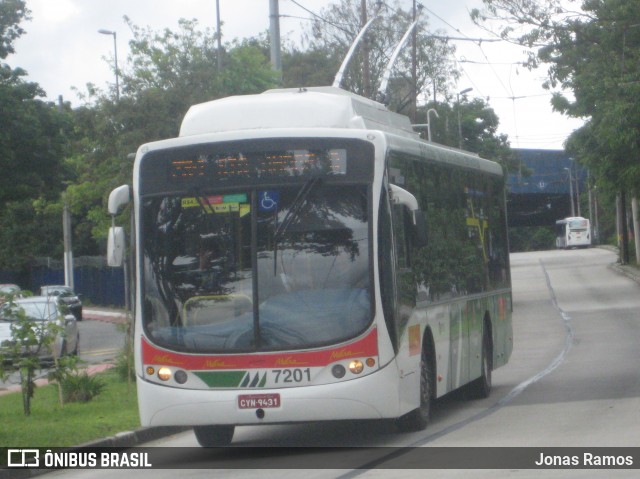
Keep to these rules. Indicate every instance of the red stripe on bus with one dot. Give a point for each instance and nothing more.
(364, 347)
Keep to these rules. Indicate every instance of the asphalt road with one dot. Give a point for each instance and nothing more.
(573, 381)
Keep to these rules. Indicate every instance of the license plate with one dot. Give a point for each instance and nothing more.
(255, 401)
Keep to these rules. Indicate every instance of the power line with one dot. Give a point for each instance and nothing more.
(466, 39)
(318, 17)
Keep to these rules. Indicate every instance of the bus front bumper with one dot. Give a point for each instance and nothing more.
(374, 396)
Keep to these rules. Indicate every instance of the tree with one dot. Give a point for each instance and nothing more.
(316, 66)
(12, 13)
(32, 147)
(31, 142)
(479, 125)
(593, 52)
(166, 73)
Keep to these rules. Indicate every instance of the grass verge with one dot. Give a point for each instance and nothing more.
(114, 410)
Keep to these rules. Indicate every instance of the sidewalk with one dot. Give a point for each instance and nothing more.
(632, 272)
(110, 315)
(628, 270)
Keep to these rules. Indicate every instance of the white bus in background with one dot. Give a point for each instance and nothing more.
(573, 232)
(301, 256)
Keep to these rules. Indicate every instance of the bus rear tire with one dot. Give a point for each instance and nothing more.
(419, 418)
(214, 436)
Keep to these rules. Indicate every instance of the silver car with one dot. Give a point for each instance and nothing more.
(40, 309)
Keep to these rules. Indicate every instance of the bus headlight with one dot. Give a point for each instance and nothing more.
(164, 373)
(356, 366)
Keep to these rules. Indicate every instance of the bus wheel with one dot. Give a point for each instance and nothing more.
(418, 419)
(214, 436)
(481, 387)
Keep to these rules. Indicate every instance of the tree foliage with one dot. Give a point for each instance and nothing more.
(167, 72)
(31, 143)
(592, 51)
(54, 156)
(478, 125)
(12, 13)
(32, 149)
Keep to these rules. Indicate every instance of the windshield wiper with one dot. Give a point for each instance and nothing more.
(296, 206)
(294, 211)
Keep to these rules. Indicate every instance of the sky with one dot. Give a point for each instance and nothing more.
(62, 49)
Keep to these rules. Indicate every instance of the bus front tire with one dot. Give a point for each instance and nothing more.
(419, 418)
(214, 436)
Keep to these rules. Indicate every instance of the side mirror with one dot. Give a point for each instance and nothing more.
(118, 198)
(115, 246)
(403, 197)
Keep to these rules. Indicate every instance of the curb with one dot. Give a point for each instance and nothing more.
(632, 272)
(626, 270)
(108, 316)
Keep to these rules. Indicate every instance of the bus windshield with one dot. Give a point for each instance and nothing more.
(257, 269)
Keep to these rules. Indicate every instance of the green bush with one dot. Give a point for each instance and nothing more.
(81, 387)
(124, 365)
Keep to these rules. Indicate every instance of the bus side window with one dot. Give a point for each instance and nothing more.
(403, 233)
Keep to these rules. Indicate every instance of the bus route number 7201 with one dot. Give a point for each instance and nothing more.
(292, 375)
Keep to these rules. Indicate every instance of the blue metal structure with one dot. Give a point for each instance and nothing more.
(539, 194)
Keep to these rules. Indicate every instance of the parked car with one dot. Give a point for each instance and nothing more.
(66, 297)
(9, 290)
(41, 309)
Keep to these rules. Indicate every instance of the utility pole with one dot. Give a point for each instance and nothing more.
(577, 178)
(414, 74)
(219, 35)
(573, 209)
(274, 33)
(68, 250)
(366, 80)
(624, 231)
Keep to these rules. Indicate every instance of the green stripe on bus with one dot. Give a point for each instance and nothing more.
(221, 379)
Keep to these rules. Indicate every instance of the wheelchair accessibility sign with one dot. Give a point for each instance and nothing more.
(268, 200)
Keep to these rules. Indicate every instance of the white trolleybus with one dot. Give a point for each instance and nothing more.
(302, 255)
(573, 232)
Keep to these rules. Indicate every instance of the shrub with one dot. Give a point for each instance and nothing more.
(124, 365)
(81, 387)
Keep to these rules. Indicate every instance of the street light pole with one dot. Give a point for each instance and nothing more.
(466, 90)
(115, 55)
